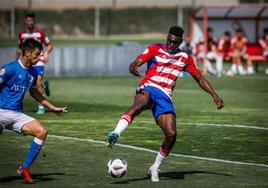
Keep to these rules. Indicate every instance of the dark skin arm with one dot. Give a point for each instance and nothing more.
(39, 97)
(134, 67)
(205, 85)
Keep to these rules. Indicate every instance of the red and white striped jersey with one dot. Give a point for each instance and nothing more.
(163, 68)
(36, 34)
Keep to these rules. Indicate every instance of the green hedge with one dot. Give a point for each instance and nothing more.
(113, 21)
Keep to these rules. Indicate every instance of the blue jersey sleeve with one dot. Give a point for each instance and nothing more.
(6, 72)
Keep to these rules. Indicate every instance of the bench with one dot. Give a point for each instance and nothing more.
(255, 52)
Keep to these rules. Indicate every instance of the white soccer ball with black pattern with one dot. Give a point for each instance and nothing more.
(117, 167)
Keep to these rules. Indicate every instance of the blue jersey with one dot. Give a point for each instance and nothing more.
(15, 80)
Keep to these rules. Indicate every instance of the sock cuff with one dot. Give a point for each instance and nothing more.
(127, 118)
(38, 141)
(164, 152)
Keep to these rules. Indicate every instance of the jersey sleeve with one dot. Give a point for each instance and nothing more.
(191, 66)
(148, 53)
(45, 38)
(5, 73)
(19, 40)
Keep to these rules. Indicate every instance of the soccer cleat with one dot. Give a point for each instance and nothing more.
(25, 173)
(47, 90)
(153, 172)
(112, 138)
(40, 111)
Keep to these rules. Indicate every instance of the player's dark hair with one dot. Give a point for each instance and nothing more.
(30, 15)
(227, 33)
(209, 29)
(265, 31)
(30, 45)
(239, 30)
(176, 30)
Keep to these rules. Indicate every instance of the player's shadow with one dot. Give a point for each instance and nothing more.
(176, 175)
(36, 177)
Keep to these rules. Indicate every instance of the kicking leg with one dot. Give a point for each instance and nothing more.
(140, 102)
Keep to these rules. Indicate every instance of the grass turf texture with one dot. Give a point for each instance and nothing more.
(95, 105)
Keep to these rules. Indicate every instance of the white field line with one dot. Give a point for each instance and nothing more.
(79, 121)
(153, 151)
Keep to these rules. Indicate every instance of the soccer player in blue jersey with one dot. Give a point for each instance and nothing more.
(16, 78)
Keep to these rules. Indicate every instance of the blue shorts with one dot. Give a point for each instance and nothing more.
(160, 102)
(40, 70)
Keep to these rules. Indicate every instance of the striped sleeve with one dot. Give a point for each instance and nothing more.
(191, 67)
(148, 53)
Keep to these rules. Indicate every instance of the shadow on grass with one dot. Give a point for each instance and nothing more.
(36, 177)
(177, 175)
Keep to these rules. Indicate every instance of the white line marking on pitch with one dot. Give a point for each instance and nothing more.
(153, 151)
(151, 122)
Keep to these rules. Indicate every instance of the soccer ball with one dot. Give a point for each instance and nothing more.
(117, 167)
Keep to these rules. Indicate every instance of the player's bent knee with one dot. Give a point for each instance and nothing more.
(41, 133)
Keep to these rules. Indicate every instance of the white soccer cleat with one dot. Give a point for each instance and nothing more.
(154, 173)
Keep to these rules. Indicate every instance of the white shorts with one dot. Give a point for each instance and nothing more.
(13, 120)
(210, 55)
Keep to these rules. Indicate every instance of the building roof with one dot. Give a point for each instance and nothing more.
(247, 11)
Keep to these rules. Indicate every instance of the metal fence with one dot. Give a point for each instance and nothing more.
(85, 60)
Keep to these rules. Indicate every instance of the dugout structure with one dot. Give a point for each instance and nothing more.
(252, 18)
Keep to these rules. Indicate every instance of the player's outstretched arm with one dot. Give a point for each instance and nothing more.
(134, 67)
(205, 85)
(47, 51)
(41, 99)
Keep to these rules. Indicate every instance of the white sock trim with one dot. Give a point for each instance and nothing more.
(121, 126)
(159, 160)
(38, 141)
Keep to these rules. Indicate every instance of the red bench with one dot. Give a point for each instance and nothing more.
(255, 52)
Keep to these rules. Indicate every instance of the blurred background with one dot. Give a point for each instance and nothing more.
(89, 36)
(94, 41)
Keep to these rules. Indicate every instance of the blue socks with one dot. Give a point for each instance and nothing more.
(33, 152)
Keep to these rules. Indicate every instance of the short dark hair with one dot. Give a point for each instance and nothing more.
(176, 30)
(30, 15)
(227, 33)
(265, 31)
(30, 45)
(210, 29)
(239, 30)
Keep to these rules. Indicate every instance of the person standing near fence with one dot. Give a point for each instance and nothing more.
(38, 34)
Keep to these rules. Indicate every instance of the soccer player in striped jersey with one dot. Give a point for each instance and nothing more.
(33, 32)
(16, 78)
(164, 62)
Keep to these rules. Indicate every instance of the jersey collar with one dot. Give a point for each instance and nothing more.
(22, 64)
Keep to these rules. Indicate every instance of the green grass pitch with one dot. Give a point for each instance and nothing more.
(95, 105)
